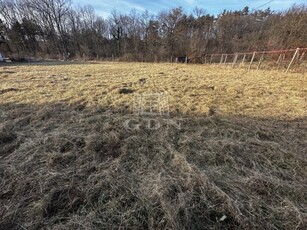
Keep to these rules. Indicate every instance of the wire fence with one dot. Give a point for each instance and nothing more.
(288, 60)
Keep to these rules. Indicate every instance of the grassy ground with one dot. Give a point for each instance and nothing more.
(67, 160)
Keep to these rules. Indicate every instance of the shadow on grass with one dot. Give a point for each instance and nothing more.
(73, 167)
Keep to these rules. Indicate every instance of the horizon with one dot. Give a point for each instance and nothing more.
(104, 8)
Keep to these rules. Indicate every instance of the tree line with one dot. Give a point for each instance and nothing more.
(58, 29)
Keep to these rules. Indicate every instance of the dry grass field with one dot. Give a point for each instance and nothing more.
(67, 160)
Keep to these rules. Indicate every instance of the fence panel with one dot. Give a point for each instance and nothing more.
(288, 60)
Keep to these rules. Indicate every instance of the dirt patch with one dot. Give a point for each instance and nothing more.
(7, 72)
(8, 142)
(125, 91)
(7, 137)
(64, 201)
(104, 147)
(3, 91)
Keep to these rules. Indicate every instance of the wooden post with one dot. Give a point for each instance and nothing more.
(301, 61)
(243, 60)
(234, 60)
(293, 58)
(211, 58)
(222, 57)
(283, 58)
(260, 61)
(225, 58)
(279, 61)
(250, 64)
(302, 56)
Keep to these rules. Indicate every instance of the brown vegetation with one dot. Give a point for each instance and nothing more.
(67, 161)
(56, 29)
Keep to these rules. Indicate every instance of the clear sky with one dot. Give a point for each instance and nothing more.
(104, 7)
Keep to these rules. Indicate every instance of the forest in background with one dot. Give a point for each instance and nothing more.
(58, 29)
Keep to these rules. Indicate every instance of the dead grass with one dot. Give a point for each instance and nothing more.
(68, 162)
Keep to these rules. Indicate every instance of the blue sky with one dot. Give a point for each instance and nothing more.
(104, 7)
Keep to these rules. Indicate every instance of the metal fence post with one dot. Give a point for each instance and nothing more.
(293, 58)
(222, 57)
(225, 59)
(250, 64)
(234, 60)
(243, 60)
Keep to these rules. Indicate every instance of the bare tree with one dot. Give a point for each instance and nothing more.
(58, 29)
(169, 21)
